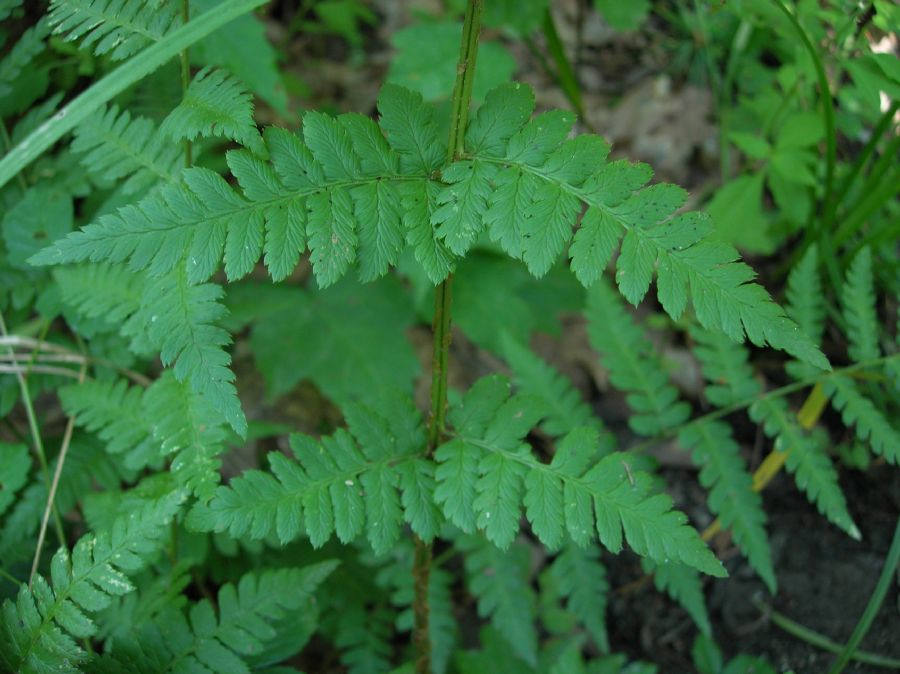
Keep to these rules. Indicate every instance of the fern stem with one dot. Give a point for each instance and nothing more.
(134, 69)
(443, 297)
(881, 588)
(35, 434)
(820, 641)
(51, 495)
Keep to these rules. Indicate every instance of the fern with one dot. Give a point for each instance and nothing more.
(805, 305)
(485, 474)
(633, 367)
(221, 641)
(858, 304)
(14, 467)
(116, 146)
(342, 190)
(684, 585)
(500, 581)
(565, 408)
(364, 639)
(119, 28)
(336, 486)
(38, 631)
(857, 410)
(581, 579)
(29, 47)
(177, 319)
(717, 455)
(214, 104)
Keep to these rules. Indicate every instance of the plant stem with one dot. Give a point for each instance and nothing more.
(35, 435)
(881, 588)
(462, 98)
(821, 641)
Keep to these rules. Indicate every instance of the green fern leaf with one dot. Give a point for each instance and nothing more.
(365, 641)
(187, 426)
(807, 460)
(633, 366)
(116, 146)
(411, 130)
(462, 203)
(731, 497)
(38, 631)
(684, 585)
(109, 292)
(500, 581)
(857, 410)
(726, 368)
(119, 28)
(215, 104)
(225, 640)
(581, 579)
(858, 304)
(565, 408)
(30, 45)
(805, 299)
(488, 423)
(116, 413)
(332, 486)
(14, 467)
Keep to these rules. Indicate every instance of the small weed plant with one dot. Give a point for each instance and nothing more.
(132, 253)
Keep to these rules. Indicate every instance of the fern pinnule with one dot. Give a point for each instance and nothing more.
(872, 426)
(28, 48)
(684, 585)
(119, 28)
(581, 579)
(15, 463)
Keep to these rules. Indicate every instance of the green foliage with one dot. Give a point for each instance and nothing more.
(116, 146)
(120, 28)
(214, 105)
(208, 539)
(38, 630)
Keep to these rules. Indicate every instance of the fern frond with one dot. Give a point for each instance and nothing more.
(15, 463)
(109, 292)
(115, 146)
(215, 104)
(565, 407)
(221, 640)
(633, 365)
(38, 632)
(731, 497)
(563, 175)
(581, 579)
(115, 412)
(726, 368)
(486, 472)
(365, 641)
(857, 410)
(119, 28)
(334, 485)
(858, 305)
(806, 460)
(29, 47)
(500, 580)
(805, 300)
(685, 586)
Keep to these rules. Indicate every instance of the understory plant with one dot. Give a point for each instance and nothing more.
(132, 253)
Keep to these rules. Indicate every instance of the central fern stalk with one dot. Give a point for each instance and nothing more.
(462, 98)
